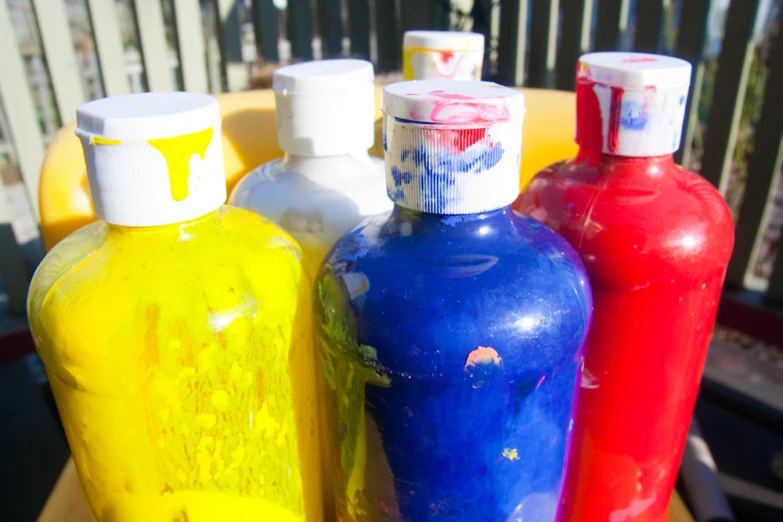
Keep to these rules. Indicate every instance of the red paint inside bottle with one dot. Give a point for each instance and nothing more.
(656, 240)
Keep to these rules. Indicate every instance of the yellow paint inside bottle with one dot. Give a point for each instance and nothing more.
(181, 360)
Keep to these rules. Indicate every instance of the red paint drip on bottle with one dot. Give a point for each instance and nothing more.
(589, 127)
(615, 112)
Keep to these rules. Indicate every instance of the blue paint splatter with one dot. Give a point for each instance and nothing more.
(385, 143)
(634, 115)
(405, 154)
(461, 218)
(352, 246)
(682, 100)
(400, 177)
(474, 160)
(439, 171)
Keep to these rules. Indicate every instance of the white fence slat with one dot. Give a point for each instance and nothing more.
(108, 45)
(154, 49)
(190, 41)
(38, 83)
(60, 56)
(12, 269)
(19, 109)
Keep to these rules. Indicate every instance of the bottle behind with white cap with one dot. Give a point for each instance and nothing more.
(450, 329)
(442, 55)
(656, 240)
(175, 330)
(327, 182)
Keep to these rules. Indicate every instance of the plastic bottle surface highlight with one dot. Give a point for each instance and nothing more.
(442, 55)
(656, 240)
(175, 331)
(450, 328)
(327, 182)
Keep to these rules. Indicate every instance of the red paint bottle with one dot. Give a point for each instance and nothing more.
(656, 240)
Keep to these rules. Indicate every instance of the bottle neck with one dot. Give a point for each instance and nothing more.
(181, 231)
(462, 223)
(338, 165)
(623, 164)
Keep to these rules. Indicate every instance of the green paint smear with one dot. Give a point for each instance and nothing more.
(347, 367)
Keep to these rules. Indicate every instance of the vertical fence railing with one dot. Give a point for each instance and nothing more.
(538, 44)
(651, 35)
(730, 84)
(611, 25)
(154, 49)
(543, 44)
(106, 33)
(512, 44)
(764, 168)
(575, 40)
(691, 44)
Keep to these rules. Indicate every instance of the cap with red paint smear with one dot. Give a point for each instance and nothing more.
(631, 104)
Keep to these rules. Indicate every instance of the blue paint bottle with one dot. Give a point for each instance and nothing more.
(451, 328)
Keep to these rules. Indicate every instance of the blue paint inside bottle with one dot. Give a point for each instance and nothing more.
(452, 344)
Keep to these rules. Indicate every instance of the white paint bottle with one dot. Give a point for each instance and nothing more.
(327, 182)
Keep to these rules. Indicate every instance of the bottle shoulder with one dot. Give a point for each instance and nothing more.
(100, 261)
(64, 257)
(665, 219)
(445, 295)
(341, 187)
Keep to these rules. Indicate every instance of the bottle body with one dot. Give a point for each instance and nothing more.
(655, 240)
(448, 389)
(317, 199)
(183, 373)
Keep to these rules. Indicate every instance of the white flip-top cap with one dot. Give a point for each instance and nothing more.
(442, 55)
(153, 158)
(452, 147)
(325, 108)
(444, 40)
(640, 99)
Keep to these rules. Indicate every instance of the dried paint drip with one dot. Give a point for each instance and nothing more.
(615, 113)
(177, 152)
(589, 125)
(482, 365)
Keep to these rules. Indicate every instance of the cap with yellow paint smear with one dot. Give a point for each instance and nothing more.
(153, 158)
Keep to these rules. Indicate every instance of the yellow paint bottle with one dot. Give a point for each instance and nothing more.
(176, 331)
